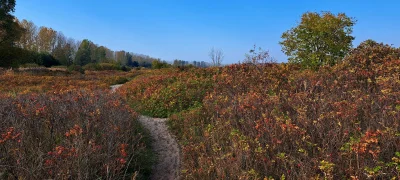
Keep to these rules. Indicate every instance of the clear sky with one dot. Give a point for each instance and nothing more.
(187, 29)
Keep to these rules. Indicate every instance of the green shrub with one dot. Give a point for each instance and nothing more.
(126, 68)
(48, 60)
(76, 68)
(104, 67)
(109, 66)
(168, 91)
(91, 67)
(158, 64)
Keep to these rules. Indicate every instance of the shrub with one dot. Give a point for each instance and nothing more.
(117, 80)
(44, 80)
(370, 53)
(48, 60)
(13, 57)
(70, 135)
(367, 61)
(156, 64)
(91, 67)
(125, 68)
(60, 67)
(109, 66)
(274, 121)
(76, 68)
(167, 91)
(105, 67)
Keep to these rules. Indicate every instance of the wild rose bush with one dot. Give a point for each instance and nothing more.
(275, 121)
(71, 134)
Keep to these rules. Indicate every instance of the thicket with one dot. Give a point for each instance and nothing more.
(69, 126)
(163, 92)
(279, 121)
(70, 135)
(14, 57)
(101, 66)
(43, 80)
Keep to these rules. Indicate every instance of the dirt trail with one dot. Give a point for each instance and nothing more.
(115, 87)
(166, 148)
(164, 145)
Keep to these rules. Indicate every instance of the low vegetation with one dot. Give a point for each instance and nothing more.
(331, 113)
(43, 80)
(256, 121)
(69, 126)
(161, 93)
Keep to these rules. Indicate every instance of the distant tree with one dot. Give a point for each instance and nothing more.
(129, 59)
(175, 63)
(29, 36)
(46, 39)
(83, 54)
(6, 7)
(74, 45)
(203, 64)
(258, 56)
(94, 58)
(59, 52)
(48, 60)
(319, 39)
(110, 55)
(10, 31)
(216, 55)
(120, 57)
(63, 50)
(101, 53)
(158, 64)
(135, 64)
(178, 62)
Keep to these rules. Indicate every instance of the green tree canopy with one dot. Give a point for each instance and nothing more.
(319, 39)
(10, 31)
(83, 55)
(7, 6)
(101, 53)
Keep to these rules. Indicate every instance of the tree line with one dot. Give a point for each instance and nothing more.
(21, 42)
(67, 51)
(319, 39)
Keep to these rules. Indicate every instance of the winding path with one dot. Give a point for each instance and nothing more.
(164, 145)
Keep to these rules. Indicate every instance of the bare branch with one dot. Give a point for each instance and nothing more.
(216, 55)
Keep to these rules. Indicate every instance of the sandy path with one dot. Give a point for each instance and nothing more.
(166, 148)
(164, 145)
(115, 87)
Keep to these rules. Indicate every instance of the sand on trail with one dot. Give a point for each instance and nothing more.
(115, 87)
(165, 146)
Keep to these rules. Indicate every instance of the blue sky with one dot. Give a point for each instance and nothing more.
(184, 29)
